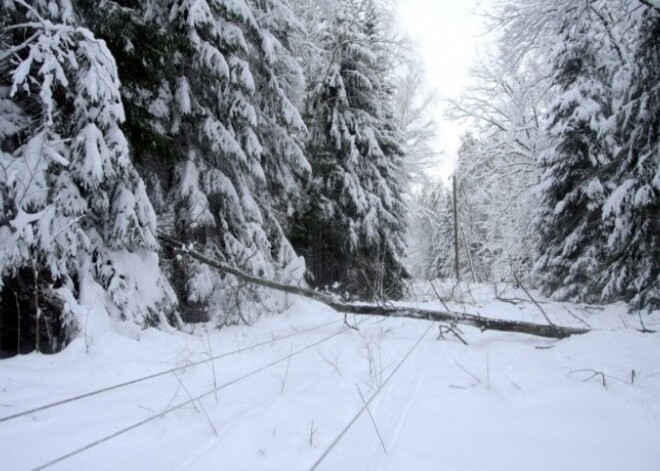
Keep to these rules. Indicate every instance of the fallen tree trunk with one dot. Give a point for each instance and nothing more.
(483, 323)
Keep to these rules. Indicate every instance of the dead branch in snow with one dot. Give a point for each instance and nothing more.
(518, 282)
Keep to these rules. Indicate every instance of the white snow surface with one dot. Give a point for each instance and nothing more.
(503, 402)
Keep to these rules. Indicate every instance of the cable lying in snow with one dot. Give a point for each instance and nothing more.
(162, 373)
(366, 404)
(186, 403)
(483, 323)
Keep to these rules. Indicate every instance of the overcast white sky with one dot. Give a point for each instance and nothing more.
(447, 35)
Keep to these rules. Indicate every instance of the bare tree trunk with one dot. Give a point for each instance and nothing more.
(37, 308)
(456, 259)
(483, 323)
(18, 325)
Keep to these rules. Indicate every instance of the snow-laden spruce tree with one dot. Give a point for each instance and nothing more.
(280, 85)
(146, 55)
(576, 166)
(231, 112)
(351, 229)
(77, 230)
(632, 211)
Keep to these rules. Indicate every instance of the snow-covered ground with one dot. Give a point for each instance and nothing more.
(503, 402)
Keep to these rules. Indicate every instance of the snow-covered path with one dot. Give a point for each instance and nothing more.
(505, 402)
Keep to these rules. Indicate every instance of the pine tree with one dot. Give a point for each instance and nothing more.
(632, 212)
(281, 85)
(351, 229)
(576, 165)
(76, 222)
(232, 112)
(146, 55)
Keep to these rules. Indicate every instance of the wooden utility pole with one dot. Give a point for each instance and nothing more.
(469, 254)
(456, 261)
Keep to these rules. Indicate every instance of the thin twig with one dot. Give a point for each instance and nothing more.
(208, 418)
(595, 373)
(575, 316)
(373, 421)
(544, 347)
(515, 276)
(312, 431)
(437, 295)
(467, 372)
(215, 380)
(286, 372)
(641, 321)
(488, 367)
(516, 385)
(333, 364)
(151, 411)
(354, 327)
(446, 329)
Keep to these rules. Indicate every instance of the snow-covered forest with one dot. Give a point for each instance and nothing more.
(559, 177)
(257, 131)
(180, 174)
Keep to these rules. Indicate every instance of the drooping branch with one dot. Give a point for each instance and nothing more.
(482, 323)
(649, 4)
(181, 249)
